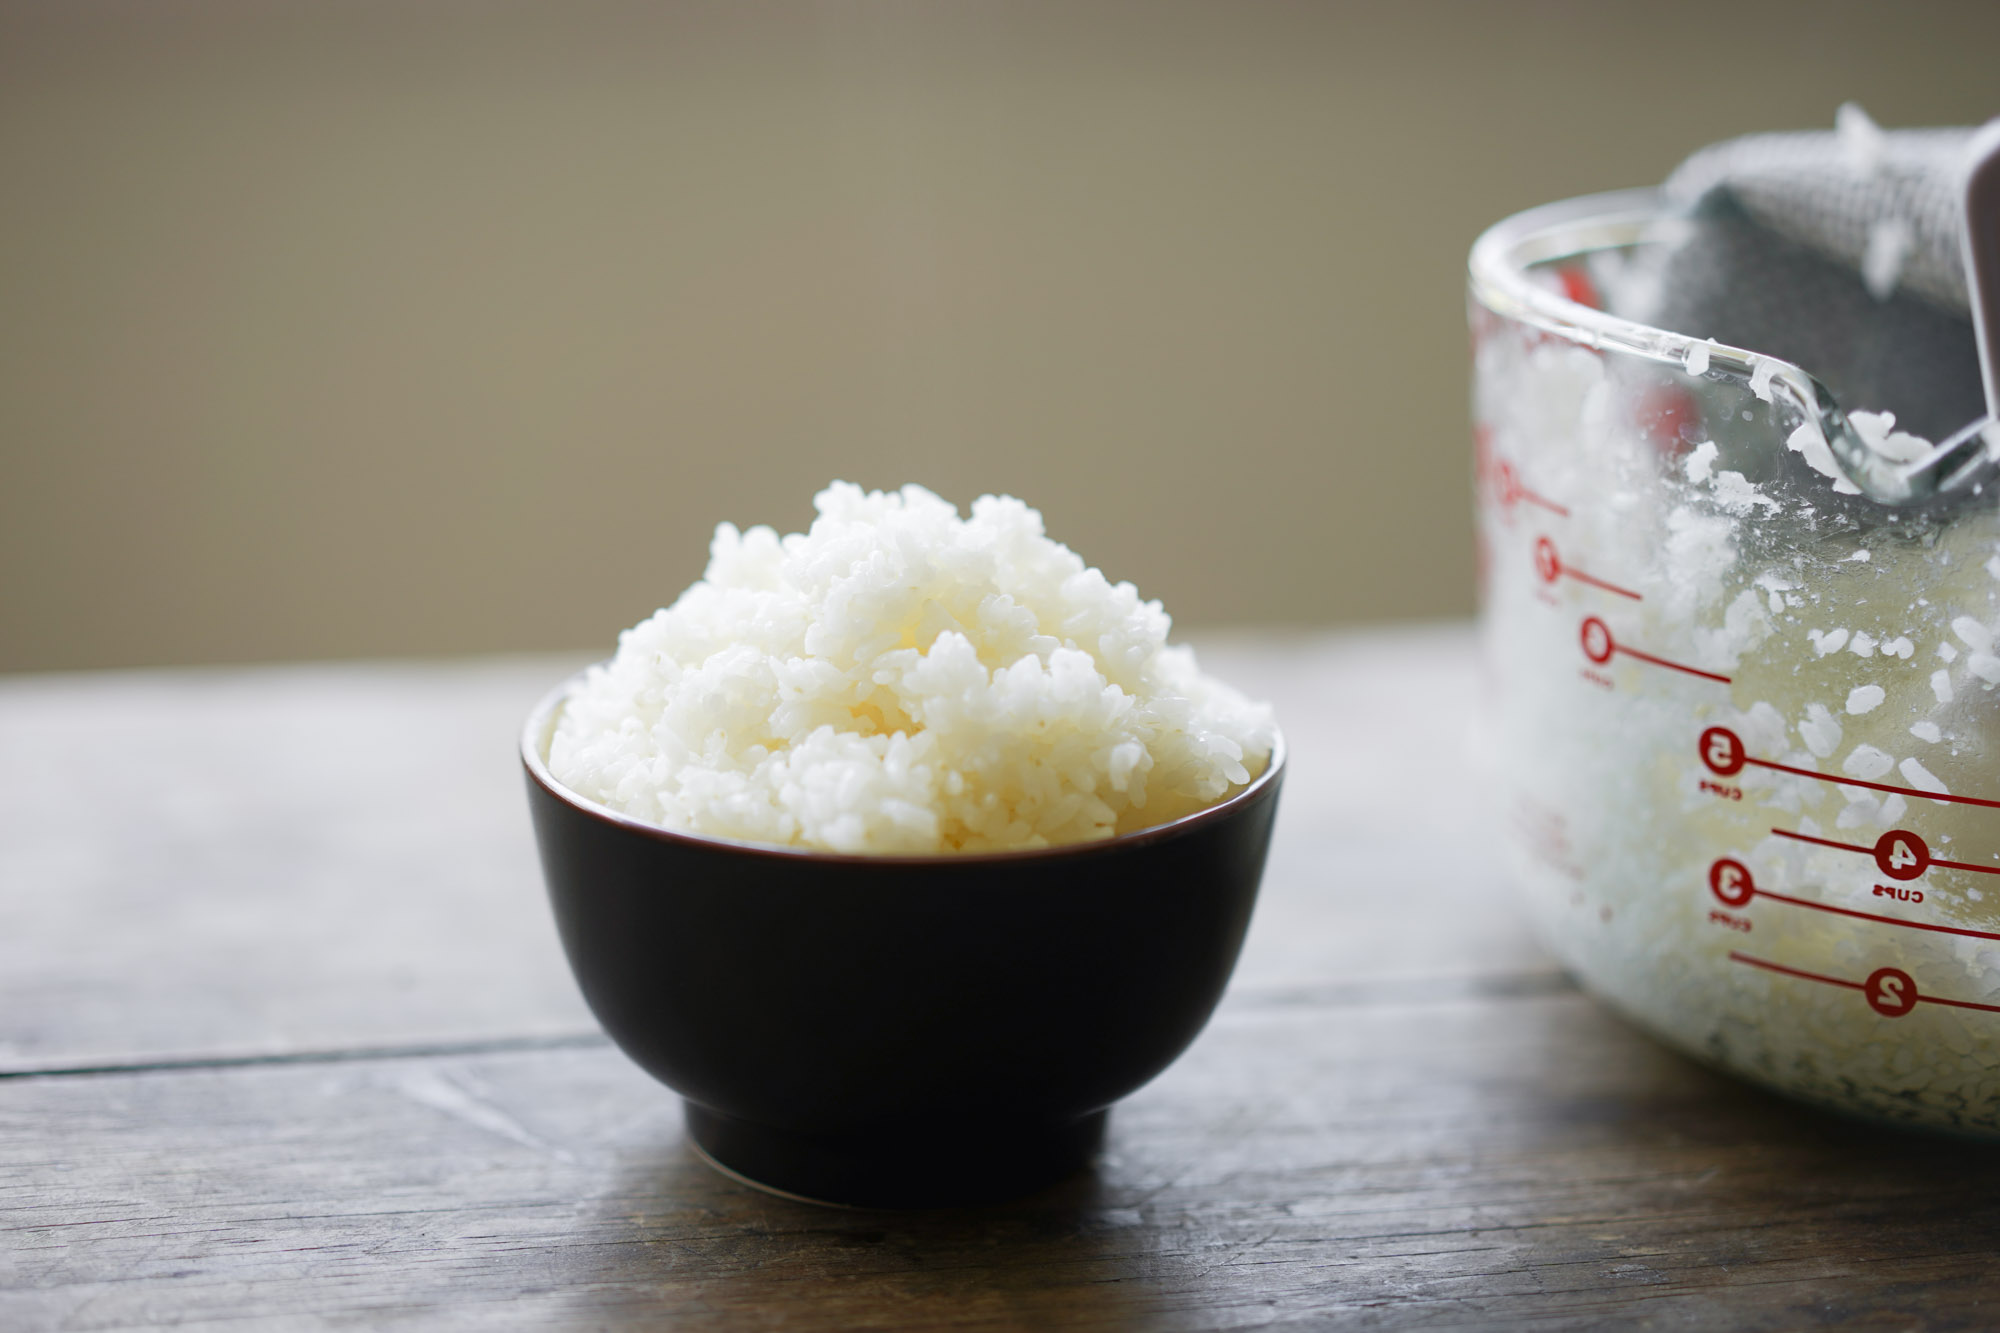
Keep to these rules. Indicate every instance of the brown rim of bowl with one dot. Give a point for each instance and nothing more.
(540, 718)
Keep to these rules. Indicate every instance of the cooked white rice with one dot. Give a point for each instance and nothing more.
(901, 680)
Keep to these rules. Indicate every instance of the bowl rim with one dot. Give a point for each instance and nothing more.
(542, 716)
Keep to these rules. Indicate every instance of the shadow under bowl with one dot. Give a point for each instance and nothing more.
(898, 1031)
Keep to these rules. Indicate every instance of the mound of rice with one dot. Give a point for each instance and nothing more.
(901, 680)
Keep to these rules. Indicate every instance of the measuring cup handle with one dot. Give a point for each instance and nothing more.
(1982, 255)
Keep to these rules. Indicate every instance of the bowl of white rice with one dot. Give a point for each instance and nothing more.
(901, 847)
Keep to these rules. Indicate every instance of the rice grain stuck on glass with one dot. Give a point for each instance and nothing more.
(901, 680)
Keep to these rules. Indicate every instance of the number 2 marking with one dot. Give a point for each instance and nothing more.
(1890, 991)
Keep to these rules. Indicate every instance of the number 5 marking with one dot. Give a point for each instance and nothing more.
(1722, 751)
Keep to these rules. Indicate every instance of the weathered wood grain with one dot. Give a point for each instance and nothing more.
(257, 862)
(294, 915)
(1449, 1161)
(263, 861)
(1383, 864)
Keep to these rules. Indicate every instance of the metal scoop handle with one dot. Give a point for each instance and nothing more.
(1982, 255)
(1971, 452)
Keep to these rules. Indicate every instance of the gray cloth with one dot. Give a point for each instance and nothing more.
(1832, 191)
(1780, 262)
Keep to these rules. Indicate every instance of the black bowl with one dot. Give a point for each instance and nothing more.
(898, 1030)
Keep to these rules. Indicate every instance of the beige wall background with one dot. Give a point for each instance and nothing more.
(361, 328)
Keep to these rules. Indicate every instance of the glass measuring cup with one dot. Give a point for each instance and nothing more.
(1742, 666)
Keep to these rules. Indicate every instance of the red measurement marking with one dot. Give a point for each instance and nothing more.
(1730, 881)
(1512, 492)
(1722, 750)
(1549, 564)
(1959, 1004)
(1578, 287)
(1596, 638)
(1736, 957)
(1671, 666)
(1670, 418)
(1598, 646)
(1877, 919)
(1890, 991)
(1899, 853)
(1595, 582)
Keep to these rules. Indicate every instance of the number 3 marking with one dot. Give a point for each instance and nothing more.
(1730, 881)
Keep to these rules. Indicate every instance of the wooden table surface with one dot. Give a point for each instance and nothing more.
(286, 1040)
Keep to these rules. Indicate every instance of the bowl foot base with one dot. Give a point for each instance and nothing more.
(931, 1166)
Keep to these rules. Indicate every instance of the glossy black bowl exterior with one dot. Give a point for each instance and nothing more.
(898, 1029)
